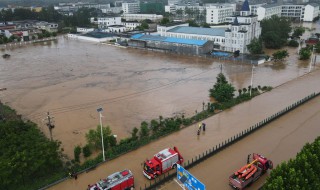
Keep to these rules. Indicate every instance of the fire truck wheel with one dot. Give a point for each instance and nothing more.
(270, 164)
(174, 166)
(155, 176)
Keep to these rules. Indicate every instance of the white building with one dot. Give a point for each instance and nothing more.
(254, 8)
(140, 17)
(84, 30)
(116, 29)
(50, 27)
(130, 25)
(109, 10)
(243, 29)
(301, 12)
(104, 22)
(266, 11)
(311, 11)
(217, 13)
(130, 8)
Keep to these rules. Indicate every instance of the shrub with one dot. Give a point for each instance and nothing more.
(77, 152)
(293, 43)
(86, 151)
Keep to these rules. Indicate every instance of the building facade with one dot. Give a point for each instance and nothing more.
(141, 17)
(217, 13)
(130, 8)
(104, 22)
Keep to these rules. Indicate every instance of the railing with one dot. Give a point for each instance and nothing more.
(224, 144)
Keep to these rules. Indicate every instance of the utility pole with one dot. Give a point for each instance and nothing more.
(49, 124)
(220, 68)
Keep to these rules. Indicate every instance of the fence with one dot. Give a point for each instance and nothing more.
(215, 149)
(17, 44)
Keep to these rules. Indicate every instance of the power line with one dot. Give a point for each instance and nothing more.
(115, 99)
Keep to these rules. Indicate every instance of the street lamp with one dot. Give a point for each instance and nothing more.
(312, 59)
(251, 78)
(99, 110)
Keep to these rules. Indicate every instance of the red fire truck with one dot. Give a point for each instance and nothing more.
(162, 162)
(251, 172)
(117, 181)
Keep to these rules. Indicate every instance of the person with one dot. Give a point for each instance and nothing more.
(75, 175)
(198, 133)
(203, 126)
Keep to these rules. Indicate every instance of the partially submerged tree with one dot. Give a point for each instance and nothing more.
(222, 91)
(280, 55)
(255, 46)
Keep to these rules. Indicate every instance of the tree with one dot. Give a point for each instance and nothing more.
(94, 137)
(293, 43)
(275, 31)
(305, 53)
(144, 130)
(134, 133)
(222, 91)
(317, 47)
(255, 46)
(280, 55)
(77, 152)
(205, 25)
(192, 23)
(298, 32)
(86, 151)
(164, 21)
(179, 12)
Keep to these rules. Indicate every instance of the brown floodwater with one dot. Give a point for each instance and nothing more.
(71, 79)
(220, 127)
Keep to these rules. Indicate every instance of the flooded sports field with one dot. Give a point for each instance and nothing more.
(71, 79)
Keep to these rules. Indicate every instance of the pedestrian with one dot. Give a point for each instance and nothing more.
(198, 133)
(203, 126)
(75, 175)
(200, 125)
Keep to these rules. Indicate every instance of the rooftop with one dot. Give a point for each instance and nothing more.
(168, 39)
(199, 31)
(98, 34)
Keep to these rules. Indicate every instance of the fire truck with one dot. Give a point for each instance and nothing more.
(162, 162)
(117, 181)
(251, 172)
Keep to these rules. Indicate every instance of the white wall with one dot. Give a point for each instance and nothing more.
(310, 13)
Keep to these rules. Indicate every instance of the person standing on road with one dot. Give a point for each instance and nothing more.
(203, 126)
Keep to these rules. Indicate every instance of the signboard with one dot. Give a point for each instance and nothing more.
(188, 180)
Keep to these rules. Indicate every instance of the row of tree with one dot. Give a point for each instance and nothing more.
(303, 172)
(26, 155)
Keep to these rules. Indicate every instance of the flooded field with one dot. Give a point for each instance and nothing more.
(71, 79)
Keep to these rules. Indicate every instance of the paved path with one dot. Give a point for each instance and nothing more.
(219, 128)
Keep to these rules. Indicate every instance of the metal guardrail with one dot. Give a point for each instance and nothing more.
(215, 149)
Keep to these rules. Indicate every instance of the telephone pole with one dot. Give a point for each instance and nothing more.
(49, 124)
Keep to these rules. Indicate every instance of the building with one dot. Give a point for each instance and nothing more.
(254, 7)
(141, 17)
(104, 22)
(130, 8)
(93, 36)
(267, 11)
(311, 12)
(300, 12)
(217, 13)
(50, 27)
(84, 30)
(151, 8)
(130, 25)
(112, 10)
(171, 44)
(244, 28)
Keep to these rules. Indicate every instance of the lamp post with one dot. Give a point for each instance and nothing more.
(99, 110)
(251, 78)
(312, 59)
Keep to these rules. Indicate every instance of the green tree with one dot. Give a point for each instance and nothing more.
(280, 55)
(293, 43)
(192, 23)
(304, 53)
(77, 152)
(275, 31)
(144, 130)
(86, 151)
(298, 32)
(222, 91)
(94, 137)
(317, 47)
(205, 25)
(179, 12)
(255, 46)
(164, 21)
(134, 133)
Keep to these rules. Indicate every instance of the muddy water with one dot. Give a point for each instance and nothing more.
(72, 78)
(278, 141)
(219, 128)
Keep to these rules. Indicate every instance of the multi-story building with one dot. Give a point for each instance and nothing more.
(244, 28)
(140, 17)
(217, 13)
(267, 11)
(301, 12)
(104, 22)
(112, 10)
(254, 7)
(130, 25)
(311, 11)
(130, 8)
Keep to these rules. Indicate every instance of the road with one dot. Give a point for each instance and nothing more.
(278, 141)
(219, 128)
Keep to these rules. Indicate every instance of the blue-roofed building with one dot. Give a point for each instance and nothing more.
(171, 44)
